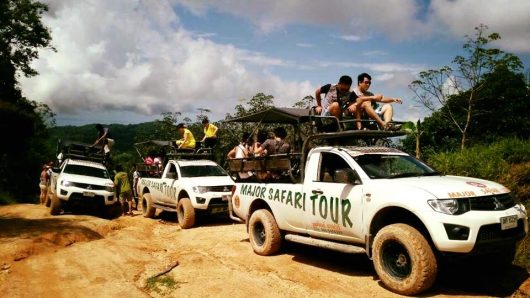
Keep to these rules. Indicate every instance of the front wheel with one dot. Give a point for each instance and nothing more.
(185, 213)
(264, 233)
(55, 205)
(404, 260)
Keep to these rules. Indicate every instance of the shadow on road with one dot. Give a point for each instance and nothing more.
(450, 281)
(30, 228)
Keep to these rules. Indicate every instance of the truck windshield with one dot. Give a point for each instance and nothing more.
(86, 171)
(201, 171)
(379, 166)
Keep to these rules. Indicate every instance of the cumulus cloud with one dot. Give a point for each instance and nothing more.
(397, 18)
(509, 19)
(136, 57)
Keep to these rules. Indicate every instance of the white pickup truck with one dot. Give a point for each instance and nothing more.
(81, 185)
(186, 187)
(386, 203)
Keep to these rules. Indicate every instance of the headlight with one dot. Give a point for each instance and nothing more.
(109, 187)
(200, 189)
(66, 183)
(450, 206)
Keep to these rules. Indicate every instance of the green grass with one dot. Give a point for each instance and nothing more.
(161, 284)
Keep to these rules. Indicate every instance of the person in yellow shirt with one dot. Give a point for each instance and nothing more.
(210, 133)
(187, 142)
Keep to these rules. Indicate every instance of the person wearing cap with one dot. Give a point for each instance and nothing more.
(187, 142)
(210, 133)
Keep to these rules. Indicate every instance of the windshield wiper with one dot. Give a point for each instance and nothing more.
(403, 175)
(433, 174)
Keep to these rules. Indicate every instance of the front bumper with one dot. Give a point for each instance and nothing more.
(485, 233)
(86, 197)
(211, 202)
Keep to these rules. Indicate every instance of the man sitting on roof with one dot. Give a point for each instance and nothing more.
(187, 142)
(336, 97)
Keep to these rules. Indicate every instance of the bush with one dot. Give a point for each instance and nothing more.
(506, 162)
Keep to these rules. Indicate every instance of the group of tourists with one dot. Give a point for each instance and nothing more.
(359, 103)
(261, 145)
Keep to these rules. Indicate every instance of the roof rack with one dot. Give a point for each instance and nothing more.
(78, 150)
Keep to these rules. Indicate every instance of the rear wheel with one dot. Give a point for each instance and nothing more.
(264, 233)
(404, 260)
(147, 206)
(185, 213)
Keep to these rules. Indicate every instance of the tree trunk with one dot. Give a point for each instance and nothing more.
(418, 146)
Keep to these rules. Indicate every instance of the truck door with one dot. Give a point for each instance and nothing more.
(169, 180)
(335, 199)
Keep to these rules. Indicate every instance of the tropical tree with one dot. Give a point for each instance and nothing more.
(23, 122)
(442, 88)
(415, 131)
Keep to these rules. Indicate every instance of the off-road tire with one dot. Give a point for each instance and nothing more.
(55, 205)
(264, 234)
(404, 260)
(113, 211)
(185, 213)
(147, 206)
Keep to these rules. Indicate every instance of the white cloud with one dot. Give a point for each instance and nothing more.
(136, 57)
(376, 67)
(397, 18)
(374, 53)
(508, 18)
(350, 37)
(305, 45)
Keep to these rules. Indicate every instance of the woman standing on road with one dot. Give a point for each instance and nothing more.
(43, 184)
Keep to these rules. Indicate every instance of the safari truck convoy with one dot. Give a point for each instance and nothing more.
(381, 201)
(81, 182)
(188, 187)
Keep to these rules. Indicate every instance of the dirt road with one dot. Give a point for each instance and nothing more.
(81, 255)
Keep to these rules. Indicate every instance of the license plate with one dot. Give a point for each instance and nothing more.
(508, 222)
(88, 194)
(219, 209)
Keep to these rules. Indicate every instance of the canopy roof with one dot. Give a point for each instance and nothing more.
(276, 115)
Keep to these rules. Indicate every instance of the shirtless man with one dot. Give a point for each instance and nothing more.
(366, 101)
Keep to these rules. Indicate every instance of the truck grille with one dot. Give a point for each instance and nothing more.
(88, 186)
(493, 232)
(220, 188)
(493, 202)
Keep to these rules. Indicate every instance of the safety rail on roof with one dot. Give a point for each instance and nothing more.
(78, 150)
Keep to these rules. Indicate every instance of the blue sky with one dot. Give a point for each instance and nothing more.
(127, 61)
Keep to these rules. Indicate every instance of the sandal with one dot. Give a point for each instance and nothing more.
(392, 127)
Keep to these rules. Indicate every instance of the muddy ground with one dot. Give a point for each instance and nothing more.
(82, 255)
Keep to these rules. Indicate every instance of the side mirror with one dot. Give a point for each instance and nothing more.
(171, 175)
(56, 169)
(346, 176)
